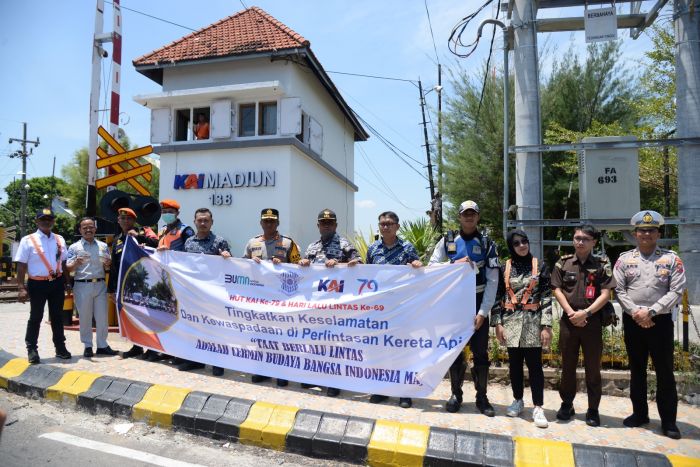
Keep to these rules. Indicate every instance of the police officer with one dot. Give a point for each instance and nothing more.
(274, 247)
(126, 219)
(650, 282)
(581, 284)
(42, 255)
(330, 250)
(472, 247)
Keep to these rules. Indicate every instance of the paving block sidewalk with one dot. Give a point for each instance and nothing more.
(309, 410)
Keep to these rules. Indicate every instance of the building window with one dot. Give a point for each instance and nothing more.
(192, 123)
(268, 118)
(246, 123)
(303, 135)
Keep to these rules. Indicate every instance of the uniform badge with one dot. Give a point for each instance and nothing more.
(476, 250)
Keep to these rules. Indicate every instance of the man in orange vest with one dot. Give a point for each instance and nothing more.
(43, 255)
(174, 234)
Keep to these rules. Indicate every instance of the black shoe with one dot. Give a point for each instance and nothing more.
(592, 417)
(308, 386)
(332, 392)
(187, 366)
(453, 403)
(87, 353)
(63, 354)
(217, 371)
(672, 431)
(106, 351)
(151, 356)
(634, 420)
(134, 351)
(565, 412)
(282, 383)
(377, 398)
(484, 406)
(259, 378)
(33, 356)
(405, 402)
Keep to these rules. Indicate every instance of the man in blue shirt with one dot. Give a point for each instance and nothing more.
(391, 249)
(470, 246)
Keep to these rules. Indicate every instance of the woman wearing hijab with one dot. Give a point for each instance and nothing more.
(522, 316)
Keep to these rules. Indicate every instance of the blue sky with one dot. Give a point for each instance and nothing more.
(45, 52)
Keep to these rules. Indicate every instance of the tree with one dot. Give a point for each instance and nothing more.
(76, 175)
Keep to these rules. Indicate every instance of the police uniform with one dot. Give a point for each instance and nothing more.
(484, 255)
(43, 256)
(653, 282)
(337, 247)
(280, 247)
(572, 277)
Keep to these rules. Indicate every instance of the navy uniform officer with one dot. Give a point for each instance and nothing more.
(330, 250)
(126, 219)
(650, 281)
(43, 254)
(275, 247)
(470, 246)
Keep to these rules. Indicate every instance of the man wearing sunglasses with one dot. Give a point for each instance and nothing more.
(650, 281)
(581, 284)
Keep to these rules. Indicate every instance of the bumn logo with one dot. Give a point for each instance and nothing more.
(328, 285)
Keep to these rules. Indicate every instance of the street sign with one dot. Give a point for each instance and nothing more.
(600, 24)
(122, 155)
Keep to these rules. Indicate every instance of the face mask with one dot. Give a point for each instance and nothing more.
(168, 218)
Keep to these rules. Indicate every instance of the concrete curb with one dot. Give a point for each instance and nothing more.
(307, 432)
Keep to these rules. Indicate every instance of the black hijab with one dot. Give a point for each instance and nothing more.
(510, 237)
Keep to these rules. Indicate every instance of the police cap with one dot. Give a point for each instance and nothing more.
(327, 215)
(45, 212)
(645, 219)
(269, 213)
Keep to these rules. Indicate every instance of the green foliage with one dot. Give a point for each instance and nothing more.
(362, 242)
(422, 235)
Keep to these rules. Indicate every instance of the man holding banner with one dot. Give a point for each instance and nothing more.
(391, 249)
(470, 246)
(330, 250)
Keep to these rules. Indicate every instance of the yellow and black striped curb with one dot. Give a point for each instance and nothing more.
(307, 432)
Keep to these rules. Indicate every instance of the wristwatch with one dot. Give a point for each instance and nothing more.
(588, 313)
(652, 312)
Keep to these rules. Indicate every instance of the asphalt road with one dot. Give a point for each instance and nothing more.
(43, 433)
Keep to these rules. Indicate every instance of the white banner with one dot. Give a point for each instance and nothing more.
(391, 330)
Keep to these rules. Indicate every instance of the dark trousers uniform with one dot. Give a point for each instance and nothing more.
(533, 358)
(41, 292)
(590, 339)
(657, 342)
(478, 344)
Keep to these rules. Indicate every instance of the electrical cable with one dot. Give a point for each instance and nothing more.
(415, 83)
(153, 17)
(454, 42)
(425, 2)
(486, 70)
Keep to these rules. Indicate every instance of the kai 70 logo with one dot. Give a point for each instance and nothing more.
(367, 284)
(331, 285)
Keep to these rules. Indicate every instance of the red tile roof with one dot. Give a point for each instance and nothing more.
(248, 31)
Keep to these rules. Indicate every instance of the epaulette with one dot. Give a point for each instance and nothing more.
(566, 257)
(560, 261)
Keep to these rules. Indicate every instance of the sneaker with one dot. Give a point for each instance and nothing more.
(87, 353)
(106, 351)
(33, 356)
(63, 353)
(332, 392)
(516, 408)
(484, 406)
(565, 412)
(634, 420)
(671, 430)
(376, 399)
(405, 402)
(539, 418)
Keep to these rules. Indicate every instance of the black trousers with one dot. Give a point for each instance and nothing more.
(533, 358)
(590, 339)
(41, 292)
(478, 343)
(657, 342)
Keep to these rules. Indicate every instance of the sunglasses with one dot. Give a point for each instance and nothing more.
(518, 243)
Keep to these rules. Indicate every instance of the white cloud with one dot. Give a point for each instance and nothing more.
(366, 204)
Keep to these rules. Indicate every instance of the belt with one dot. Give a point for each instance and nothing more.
(45, 278)
(101, 279)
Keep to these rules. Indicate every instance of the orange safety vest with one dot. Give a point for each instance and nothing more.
(512, 303)
(52, 274)
(167, 237)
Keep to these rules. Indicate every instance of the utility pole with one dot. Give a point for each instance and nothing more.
(440, 168)
(427, 145)
(23, 155)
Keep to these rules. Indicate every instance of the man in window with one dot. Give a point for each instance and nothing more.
(201, 128)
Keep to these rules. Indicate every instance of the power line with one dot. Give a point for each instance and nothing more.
(454, 42)
(373, 76)
(425, 2)
(486, 71)
(153, 17)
